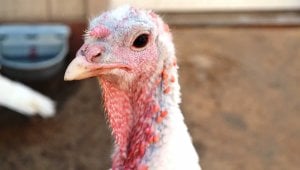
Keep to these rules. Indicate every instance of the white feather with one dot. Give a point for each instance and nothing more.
(175, 151)
(25, 100)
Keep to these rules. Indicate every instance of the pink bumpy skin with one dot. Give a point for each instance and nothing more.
(99, 32)
(131, 52)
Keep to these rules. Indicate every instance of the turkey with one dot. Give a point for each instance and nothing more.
(131, 53)
(25, 100)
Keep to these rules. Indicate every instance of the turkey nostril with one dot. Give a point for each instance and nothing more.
(98, 54)
(96, 57)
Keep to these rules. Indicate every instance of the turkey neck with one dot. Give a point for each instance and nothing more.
(137, 116)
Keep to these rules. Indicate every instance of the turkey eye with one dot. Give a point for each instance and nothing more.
(141, 41)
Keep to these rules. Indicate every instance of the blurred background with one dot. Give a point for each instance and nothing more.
(239, 72)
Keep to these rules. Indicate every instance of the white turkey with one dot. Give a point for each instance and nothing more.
(131, 53)
(20, 98)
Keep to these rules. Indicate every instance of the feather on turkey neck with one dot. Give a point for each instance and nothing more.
(131, 53)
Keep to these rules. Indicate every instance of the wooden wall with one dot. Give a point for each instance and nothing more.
(50, 10)
(211, 5)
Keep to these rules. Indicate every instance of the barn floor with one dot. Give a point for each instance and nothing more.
(241, 101)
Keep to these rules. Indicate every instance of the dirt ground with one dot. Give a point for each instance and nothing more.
(241, 101)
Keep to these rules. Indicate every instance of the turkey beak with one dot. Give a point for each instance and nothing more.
(78, 69)
(87, 63)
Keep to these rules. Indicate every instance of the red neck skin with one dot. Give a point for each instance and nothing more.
(132, 116)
